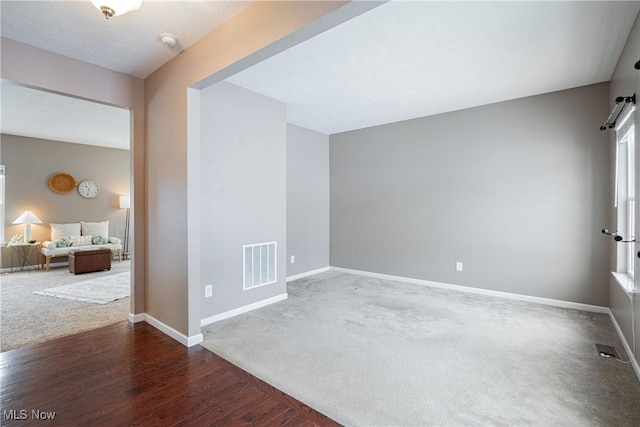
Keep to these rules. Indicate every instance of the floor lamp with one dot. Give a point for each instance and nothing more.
(125, 203)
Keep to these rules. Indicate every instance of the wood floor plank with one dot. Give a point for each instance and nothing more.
(70, 346)
(252, 412)
(192, 405)
(67, 382)
(297, 421)
(229, 410)
(311, 413)
(127, 374)
(66, 376)
(146, 393)
(266, 409)
(276, 419)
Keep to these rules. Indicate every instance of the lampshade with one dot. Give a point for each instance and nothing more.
(27, 217)
(111, 8)
(125, 202)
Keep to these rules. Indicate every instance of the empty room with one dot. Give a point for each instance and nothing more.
(443, 231)
(355, 213)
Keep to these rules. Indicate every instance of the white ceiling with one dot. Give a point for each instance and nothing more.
(401, 60)
(404, 60)
(129, 43)
(39, 114)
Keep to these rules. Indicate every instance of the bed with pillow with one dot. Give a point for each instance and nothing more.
(78, 236)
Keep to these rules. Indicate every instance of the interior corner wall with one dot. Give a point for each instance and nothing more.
(624, 82)
(307, 200)
(30, 161)
(242, 191)
(46, 70)
(517, 191)
(261, 30)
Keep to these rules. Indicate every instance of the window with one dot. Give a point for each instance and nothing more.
(1, 204)
(626, 194)
(631, 199)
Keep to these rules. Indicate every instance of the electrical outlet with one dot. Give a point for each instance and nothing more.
(293, 259)
(208, 291)
(458, 266)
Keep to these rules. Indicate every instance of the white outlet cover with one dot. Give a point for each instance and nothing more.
(458, 266)
(208, 291)
(293, 259)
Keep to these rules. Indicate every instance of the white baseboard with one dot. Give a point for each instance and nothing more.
(519, 297)
(243, 309)
(507, 295)
(499, 294)
(168, 330)
(625, 344)
(307, 273)
(136, 318)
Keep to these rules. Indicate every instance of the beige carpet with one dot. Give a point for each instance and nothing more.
(27, 319)
(371, 352)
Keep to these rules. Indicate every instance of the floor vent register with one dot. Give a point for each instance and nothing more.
(607, 351)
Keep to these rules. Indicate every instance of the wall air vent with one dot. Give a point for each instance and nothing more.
(259, 265)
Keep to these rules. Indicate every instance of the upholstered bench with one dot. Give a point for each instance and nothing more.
(87, 261)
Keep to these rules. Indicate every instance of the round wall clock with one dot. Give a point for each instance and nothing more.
(62, 183)
(88, 189)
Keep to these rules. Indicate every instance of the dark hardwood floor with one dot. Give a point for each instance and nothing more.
(127, 374)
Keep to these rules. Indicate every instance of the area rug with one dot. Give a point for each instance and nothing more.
(100, 290)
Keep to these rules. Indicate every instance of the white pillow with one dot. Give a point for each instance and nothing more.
(80, 240)
(95, 229)
(64, 230)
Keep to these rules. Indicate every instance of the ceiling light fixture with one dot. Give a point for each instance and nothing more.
(111, 8)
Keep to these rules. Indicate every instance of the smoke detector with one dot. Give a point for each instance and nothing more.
(168, 40)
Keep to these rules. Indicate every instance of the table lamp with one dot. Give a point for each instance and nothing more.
(27, 218)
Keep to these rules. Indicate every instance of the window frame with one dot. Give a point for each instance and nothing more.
(625, 179)
(631, 199)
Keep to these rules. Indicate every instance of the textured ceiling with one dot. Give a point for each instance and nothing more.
(404, 60)
(39, 114)
(398, 61)
(129, 43)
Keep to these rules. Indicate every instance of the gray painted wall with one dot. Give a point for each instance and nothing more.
(626, 81)
(517, 191)
(242, 191)
(261, 30)
(30, 162)
(307, 200)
